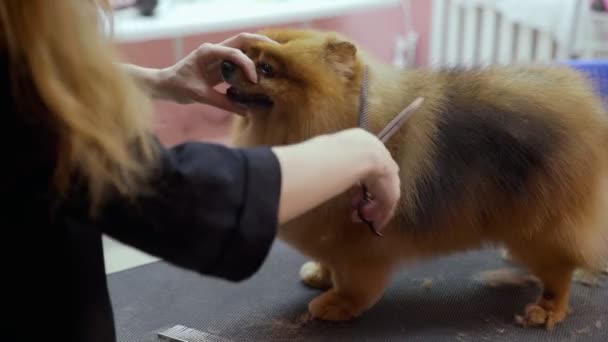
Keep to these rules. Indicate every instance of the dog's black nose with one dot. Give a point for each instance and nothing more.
(228, 67)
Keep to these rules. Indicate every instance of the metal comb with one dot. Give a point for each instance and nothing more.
(363, 104)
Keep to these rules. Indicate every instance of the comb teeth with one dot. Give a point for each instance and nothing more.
(180, 333)
(363, 105)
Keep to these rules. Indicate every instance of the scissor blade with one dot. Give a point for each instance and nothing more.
(399, 120)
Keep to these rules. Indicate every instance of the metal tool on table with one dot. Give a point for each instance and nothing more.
(180, 333)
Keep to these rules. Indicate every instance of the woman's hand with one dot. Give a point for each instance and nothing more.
(321, 168)
(192, 79)
(383, 184)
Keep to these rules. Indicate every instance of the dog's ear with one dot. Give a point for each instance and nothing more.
(342, 56)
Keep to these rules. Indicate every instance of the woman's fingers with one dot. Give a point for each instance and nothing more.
(219, 100)
(244, 40)
(212, 53)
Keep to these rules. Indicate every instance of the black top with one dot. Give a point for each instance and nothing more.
(214, 211)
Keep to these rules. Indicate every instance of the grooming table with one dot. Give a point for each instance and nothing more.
(434, 301)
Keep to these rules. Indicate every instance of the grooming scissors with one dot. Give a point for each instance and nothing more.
(387, 132)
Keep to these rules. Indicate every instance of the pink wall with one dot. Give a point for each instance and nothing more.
(375, 31)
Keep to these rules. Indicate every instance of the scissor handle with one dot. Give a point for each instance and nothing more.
(367, 198)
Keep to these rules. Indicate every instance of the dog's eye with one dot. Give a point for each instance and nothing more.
(266, 69)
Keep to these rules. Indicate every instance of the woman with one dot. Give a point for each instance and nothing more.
(80, 161)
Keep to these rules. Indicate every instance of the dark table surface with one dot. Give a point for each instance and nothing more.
(440, 300)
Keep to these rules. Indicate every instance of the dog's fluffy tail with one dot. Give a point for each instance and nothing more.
(592, 242)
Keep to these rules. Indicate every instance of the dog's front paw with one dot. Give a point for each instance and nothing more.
(315, 275)
(330, 306)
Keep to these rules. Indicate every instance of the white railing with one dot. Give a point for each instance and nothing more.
(474, 32)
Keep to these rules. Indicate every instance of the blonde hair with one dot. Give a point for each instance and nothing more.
(99, 114)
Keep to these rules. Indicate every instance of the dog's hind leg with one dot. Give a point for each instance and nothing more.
(552, 306)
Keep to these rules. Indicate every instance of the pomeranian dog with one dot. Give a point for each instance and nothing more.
(514, 157)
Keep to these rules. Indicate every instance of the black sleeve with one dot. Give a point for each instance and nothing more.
(211, 208)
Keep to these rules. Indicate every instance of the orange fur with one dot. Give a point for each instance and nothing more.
(553, 221)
